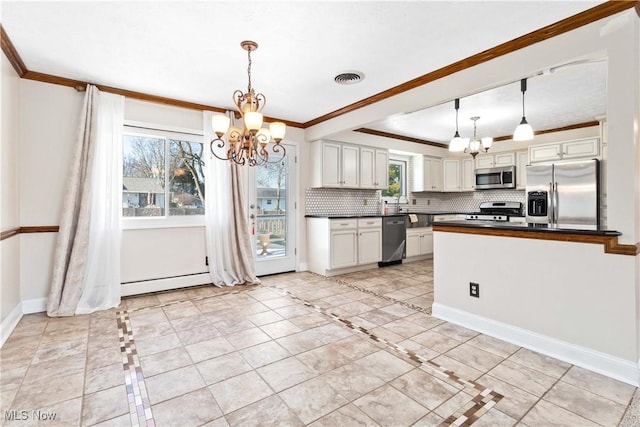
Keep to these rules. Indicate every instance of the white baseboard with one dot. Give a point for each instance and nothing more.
(157, 285)
(35, 305)
(620, 369)
(9, 323)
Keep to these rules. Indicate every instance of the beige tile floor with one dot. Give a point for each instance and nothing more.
(300, 349)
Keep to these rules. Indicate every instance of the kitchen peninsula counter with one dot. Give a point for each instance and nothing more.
(608, 238)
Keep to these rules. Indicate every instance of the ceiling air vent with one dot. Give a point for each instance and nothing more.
(349, 77)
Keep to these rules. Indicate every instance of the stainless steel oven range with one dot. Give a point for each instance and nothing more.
(496, 211)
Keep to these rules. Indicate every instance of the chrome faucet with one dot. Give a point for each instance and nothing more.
(398, 205)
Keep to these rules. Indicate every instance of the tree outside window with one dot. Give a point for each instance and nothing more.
(397, 180)
(162, 176)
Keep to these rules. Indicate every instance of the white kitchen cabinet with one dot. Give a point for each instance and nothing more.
(427, 174)
(451, 175)
(577, 149)
(522, 160)
(369, 240)
(467, 175)
(374, 168)
(344, 249)
(419, 242)
(484, 161)
(338, 166)
(337, 246)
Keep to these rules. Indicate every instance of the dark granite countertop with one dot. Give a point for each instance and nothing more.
(382, 216)
(520, 226)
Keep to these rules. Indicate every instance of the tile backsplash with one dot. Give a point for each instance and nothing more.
(335, 201)
(461, 202)
(330, 201)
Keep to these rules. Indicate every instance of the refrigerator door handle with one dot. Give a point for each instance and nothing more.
(556, 200)
(550, 204)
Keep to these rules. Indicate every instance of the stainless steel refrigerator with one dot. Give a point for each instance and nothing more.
(564, 194)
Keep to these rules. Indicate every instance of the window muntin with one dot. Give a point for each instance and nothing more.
(163, 177)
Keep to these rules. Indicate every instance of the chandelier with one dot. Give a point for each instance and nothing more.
(459, 144)
(250, 143)
(475, 145)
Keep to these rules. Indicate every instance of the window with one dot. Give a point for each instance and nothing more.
(397, 181)
(162, 175)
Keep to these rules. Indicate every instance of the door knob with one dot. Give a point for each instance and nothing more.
(252, 206)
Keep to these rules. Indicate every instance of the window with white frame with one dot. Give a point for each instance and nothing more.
(162, 175)
(397, 181)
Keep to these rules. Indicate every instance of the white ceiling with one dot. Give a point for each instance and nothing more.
(191, 51)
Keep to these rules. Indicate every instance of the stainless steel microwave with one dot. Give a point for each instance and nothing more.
(491, 178)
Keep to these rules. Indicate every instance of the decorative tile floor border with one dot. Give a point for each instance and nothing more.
(464, 416)
(137, 396)
(424, 310)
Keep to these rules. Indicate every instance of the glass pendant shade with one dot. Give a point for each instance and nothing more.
(524, 131)
(474, 146)
(277, 130)
(253, 120)
(487, 142)
(263, 136)
(458, 144)
(220, 124)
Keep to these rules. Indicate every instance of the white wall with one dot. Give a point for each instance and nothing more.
(10, 194)
(49, 117)
(573, 294)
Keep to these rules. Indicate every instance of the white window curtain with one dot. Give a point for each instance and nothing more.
(86, 274)
(228, 240)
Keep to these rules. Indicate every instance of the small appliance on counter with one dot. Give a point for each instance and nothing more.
(394, 236)
(496, 211)
(564, 194)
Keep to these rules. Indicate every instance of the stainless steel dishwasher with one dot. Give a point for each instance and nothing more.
(394, 236)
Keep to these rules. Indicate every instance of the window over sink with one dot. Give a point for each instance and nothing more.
(397, 181)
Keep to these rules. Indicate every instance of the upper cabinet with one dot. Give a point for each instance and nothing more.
(451, 175)
(374, 168)
(522, 160)
(427, 174)
(581, 148)
(467, 174)
(484, 161)
(344, 165)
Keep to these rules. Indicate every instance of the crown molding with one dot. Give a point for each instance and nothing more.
(401, 137)
(560, 129)
(11, 53)
(571, 23)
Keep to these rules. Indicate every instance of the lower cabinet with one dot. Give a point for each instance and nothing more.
(336, 246)
(419, 242)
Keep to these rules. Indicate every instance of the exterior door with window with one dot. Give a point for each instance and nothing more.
(272, 207)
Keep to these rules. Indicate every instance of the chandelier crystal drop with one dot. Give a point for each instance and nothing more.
(249, 144)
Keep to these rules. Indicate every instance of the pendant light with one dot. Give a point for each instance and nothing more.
(524, 131)
(457, 143)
